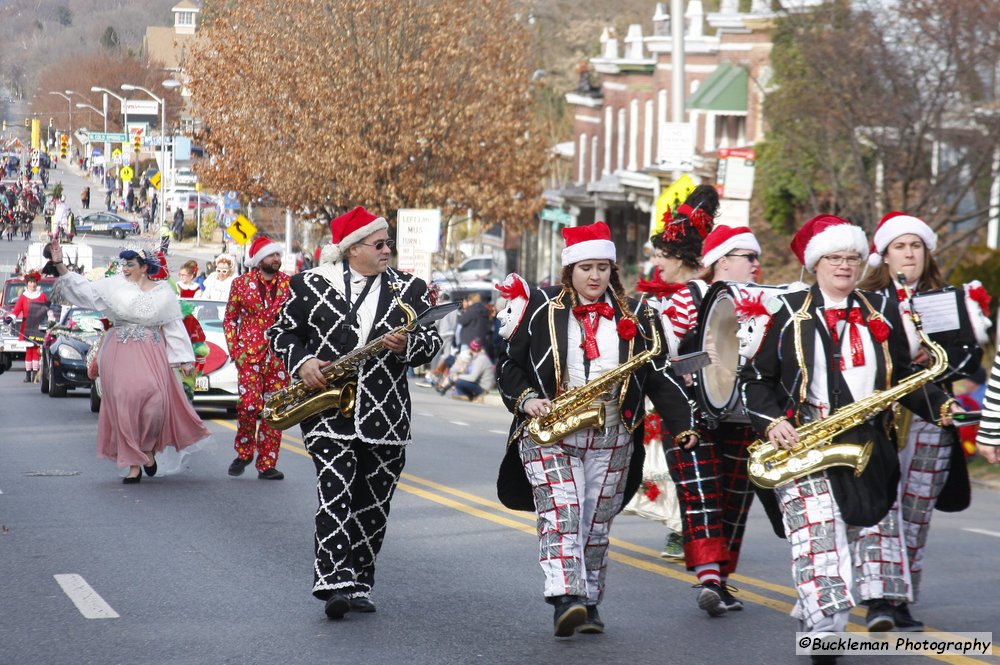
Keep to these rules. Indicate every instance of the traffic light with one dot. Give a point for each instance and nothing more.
(137, 143)
(63, 146)
(5, 125)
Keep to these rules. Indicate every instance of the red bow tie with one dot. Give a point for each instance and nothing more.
(855, 320)
(582, 314)
(901, 294)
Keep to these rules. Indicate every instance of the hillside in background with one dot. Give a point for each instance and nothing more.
(35, 33)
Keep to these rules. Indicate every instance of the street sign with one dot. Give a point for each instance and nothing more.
(676, 146)
(155, 180)
(241, 230)
(108, 137)
(126, 173)
(673, 196)
(141, 107)
(736, 173)
(116, 156)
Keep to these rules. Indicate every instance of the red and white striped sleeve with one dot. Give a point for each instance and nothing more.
(682, 313)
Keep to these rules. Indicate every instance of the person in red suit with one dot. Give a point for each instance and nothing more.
(255, 299)
(31, 298)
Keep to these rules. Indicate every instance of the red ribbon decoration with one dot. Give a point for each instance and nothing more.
(901, 294)
(855, 320)
(582, 314)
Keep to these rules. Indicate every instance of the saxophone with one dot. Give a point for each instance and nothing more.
(574, 410)
(771, 467)
(296, 402)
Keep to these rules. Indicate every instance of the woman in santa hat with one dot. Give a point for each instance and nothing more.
(31, 298)
(932, 461)
(710, 478)
(677, 246)
(218, 284)
(566, 336)
(824, 349)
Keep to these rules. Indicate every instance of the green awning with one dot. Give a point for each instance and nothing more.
(724, 91)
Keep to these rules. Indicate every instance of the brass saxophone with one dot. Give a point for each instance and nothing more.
(770, 467)
(575, 410)
(296, 402)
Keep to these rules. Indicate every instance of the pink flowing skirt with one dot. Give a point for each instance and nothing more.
(143, 406)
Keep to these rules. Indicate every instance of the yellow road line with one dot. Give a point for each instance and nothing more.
(525, 523)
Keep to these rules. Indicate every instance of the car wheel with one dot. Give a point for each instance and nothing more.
(55, 390)
(43, 380)
(118, 234)
(95, 399)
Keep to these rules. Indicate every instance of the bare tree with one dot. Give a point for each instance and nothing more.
(388, 104)
(883, 106)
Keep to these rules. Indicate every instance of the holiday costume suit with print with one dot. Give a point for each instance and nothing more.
(358, 459)
(578, 485)
(253, 307)
(834, 521)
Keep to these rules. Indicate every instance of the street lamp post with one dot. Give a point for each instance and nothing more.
(70, 106)
(104, 115)
(169, 83)
(124, 107)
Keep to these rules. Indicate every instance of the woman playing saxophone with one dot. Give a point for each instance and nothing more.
(825, 349)
(565, 339)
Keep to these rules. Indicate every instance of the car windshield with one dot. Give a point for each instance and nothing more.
(83, 318)
(208, 312)
(12, 289)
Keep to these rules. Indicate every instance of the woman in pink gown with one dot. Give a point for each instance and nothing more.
(144, 409)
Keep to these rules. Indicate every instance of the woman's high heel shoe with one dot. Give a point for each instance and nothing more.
(132, 480)
(151, 469)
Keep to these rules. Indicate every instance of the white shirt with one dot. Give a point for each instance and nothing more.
(607, 345)
(366, 312)
(860, 379)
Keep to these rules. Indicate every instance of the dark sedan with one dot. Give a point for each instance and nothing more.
(64, 353)
(105, 222)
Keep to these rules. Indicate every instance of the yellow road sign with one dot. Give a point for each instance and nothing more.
(126, 173)
(241, 230)
(155, 180)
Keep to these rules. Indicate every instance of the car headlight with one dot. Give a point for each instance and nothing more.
(69, 353)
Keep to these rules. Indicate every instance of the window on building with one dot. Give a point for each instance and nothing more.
(185, 18)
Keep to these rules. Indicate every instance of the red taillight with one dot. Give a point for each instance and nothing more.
(190, 205)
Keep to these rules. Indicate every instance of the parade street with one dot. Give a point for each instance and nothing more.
(202, 568)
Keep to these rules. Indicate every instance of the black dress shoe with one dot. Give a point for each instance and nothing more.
(271, 474)
(570, 613)
(151, 469)
(337, 606)
(593, 623)
(132, 480)
(362, 604)
(238, 465)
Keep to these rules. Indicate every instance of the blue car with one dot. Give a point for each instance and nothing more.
(105, 222)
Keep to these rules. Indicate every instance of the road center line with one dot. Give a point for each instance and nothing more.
(88, 601)
(458, 422)
(984, 532)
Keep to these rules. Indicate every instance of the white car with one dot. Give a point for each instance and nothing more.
(475, 268)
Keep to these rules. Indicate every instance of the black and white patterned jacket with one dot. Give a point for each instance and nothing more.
(310, 326)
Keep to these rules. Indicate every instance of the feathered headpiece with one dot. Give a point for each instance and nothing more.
(750, 307)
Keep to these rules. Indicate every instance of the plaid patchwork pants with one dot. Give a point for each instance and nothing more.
(714, 493)
(355, 483)
(579, 486)
(924, 465)
(829, 557)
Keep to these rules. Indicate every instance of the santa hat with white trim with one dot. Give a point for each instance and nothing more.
(591, 242)
(826, 234)
(724, 239)
(261, 248)
(897, 224)
(350, 229)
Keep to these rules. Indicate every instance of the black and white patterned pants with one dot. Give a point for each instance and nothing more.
(355, 483)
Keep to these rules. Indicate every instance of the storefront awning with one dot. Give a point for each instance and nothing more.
(724, 91)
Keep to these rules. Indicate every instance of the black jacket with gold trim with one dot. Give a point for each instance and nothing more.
(534, 361)
(775, 382)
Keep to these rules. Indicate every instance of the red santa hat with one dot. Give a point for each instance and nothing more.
(826, 234)
(261, 248)
(349, 229)
(724, 239)
(897, 224)
(592, 242)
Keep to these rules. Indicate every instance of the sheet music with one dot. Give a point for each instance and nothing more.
(938, 311)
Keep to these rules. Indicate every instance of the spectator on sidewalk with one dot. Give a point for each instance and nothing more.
(474, 321)
(479, 376)
(85, 198)
(178, 226)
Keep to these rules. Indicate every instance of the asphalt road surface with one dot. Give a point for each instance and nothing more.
(202, 568)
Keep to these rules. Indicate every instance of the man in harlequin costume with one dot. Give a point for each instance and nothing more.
(255, 299)
(30, 299)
